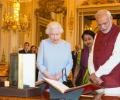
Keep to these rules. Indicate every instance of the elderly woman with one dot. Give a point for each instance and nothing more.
(54, 54)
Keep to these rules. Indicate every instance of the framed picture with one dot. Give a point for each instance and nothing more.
(41, 27)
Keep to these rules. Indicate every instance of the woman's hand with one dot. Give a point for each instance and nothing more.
(58, 75)
(53, 77)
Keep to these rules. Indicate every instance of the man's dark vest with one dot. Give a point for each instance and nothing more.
(103, 49)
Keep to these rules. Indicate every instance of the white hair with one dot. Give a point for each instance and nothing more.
(54, 27)
(103, 12)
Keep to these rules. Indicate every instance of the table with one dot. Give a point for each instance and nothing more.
(44, 96)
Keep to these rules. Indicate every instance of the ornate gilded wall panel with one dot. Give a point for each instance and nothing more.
(40, 29)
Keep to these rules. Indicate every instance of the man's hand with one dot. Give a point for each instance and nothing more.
(95, 79)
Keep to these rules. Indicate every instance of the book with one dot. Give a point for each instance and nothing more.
(64, 89)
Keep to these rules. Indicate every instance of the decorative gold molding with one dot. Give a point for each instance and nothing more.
(98, 2)
(92, 9)
(42, 21)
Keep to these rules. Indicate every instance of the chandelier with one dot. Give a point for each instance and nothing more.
(14, 20)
